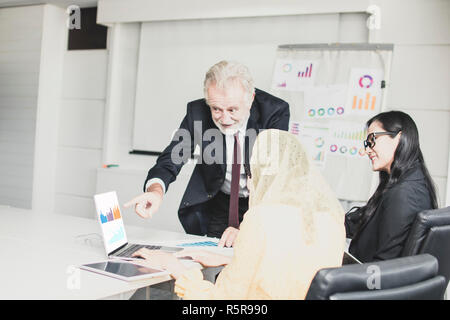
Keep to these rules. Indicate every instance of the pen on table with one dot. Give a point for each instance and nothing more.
(110, 165)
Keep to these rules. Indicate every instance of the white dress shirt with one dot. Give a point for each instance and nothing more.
(229, 140)
(226, 186)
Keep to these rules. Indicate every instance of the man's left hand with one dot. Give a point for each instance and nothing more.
(228, 237)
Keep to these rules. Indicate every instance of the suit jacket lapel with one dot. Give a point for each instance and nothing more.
(253, 124)
(224, 162)
(211, 125)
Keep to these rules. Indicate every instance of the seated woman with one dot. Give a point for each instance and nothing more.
(293, 228)
(379, 229)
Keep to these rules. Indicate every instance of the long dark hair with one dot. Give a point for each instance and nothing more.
(406, 156)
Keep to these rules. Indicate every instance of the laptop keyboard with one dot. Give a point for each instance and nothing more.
(135, 247)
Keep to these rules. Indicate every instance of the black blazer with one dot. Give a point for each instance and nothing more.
(267, 111)
(384, 234)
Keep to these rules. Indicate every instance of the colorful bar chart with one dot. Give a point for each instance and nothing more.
(282, 84)
(306, 73)
(320, 156)
(110, 215)
(295, 128)
(369, 101)
(199, 244)
(116, 213)
(350, 135)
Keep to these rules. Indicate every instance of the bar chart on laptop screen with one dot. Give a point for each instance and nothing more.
(110, 218)
(110, 214)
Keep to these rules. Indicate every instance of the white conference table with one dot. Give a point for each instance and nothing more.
(41, 253)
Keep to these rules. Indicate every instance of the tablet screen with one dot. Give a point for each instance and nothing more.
(123, 269)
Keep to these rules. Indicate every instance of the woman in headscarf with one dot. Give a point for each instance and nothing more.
(293, 228)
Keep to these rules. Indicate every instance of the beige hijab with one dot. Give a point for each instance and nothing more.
(282, 174)
(278, 258)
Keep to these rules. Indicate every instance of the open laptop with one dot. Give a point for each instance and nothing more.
(113, 229)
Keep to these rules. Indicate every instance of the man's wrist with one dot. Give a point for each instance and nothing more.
(153, 181)
(156, 187)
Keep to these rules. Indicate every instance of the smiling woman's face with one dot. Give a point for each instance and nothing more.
(382, 154)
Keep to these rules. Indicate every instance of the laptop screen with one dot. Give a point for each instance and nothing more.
(110, 219)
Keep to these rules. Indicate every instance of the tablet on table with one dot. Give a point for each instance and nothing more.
(123, 270)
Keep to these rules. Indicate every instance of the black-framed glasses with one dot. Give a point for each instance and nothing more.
(370, 140)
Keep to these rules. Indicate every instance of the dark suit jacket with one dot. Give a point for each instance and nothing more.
(266, 112)
(384, 234)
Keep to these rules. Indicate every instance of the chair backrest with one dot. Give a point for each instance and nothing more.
(413, 277)
(430, 233)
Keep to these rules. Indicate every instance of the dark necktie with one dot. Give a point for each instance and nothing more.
(233, 216)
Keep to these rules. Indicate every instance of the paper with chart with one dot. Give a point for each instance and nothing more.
(294, 75)
(346, 139)
(313, 138)
(325, 102)
(364, 92)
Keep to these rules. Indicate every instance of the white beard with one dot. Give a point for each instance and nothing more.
(229, 131)
(235, 128)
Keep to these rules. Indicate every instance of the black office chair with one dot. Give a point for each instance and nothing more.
(430, 233)
(406, 278)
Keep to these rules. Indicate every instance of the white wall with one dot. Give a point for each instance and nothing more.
(420, 32)
(119, 11)
(51, 113)
(32, 40)
(81, 124)
(128, 179)
(188, 48)
(20, 54)
(54, 40)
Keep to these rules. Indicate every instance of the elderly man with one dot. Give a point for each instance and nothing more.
(216, 197)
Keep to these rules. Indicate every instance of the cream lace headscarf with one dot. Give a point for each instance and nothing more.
(282, 174)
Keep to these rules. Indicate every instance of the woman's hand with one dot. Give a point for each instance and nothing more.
(204, 257)
(160, 260)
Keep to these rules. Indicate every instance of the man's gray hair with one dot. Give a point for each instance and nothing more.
(224, 73)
